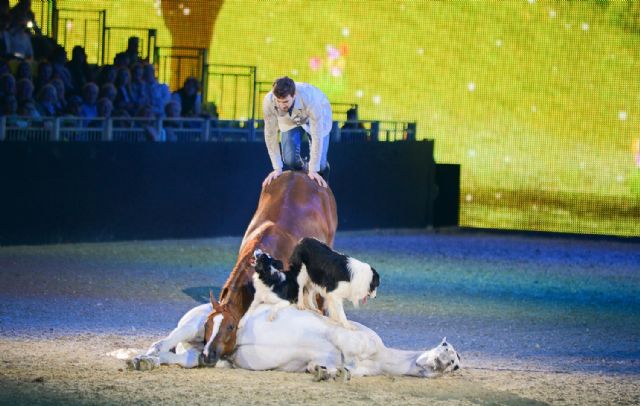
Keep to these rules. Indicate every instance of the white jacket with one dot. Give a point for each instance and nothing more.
(311, 111)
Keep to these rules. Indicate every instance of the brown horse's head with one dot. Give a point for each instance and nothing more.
(220, 331)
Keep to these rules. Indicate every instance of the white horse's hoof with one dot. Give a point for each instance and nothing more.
(344, 374)
(143, 363)
(321, 374)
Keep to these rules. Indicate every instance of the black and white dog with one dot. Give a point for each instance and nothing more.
(272, 285)
(334, 276)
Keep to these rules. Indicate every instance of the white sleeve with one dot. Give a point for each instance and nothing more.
(271, 133)
(317, 139)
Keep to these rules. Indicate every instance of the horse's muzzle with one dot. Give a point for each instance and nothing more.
(210, 359)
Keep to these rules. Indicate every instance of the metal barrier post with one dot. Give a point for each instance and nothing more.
(375, 129)
(252, 130)
(54, 23)
(159, 129)
(55, 131)
(411, 131)
(103, 15)
(254, 95)
(152, 33)
(335, 134)
(204, 80)
(207, 128)
(107, 135)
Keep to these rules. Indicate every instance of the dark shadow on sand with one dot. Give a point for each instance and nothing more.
(201, 293)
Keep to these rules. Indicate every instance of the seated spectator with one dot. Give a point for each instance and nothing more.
(121, 118)
(74, 102)
(173, 110)
(27, 114)
(79, 68)
(23, 71)
(9, 109)
(158, 93)
(61, 104)
(9, 106)
(104, 109)
(18, 32)
(138, 86)
(130, 56)
(5, 20)
(121, 61)
(88, 108)
(211, 110)
(44, 76)
(172, 113)
(24, 90)
(151, 131)
(124, 99)
(46, 101)
(28, 109)
(22, 12)
(108, 90)
(189, 98)
(71, 115)
(4, 67)
(353, 129)
(7, 85)
(60, 71)
(106, 75)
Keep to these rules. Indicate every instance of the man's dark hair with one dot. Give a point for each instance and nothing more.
(283, 87)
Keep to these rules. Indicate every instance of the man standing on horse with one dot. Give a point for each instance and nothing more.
(296, 109)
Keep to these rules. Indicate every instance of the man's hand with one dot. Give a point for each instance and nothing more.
(315, 176)
(271, 177)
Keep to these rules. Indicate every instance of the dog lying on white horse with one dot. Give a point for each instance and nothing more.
(297, 341)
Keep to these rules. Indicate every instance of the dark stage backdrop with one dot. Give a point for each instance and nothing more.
(69, 192)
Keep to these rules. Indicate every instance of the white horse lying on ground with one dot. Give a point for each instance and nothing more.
(297, 341)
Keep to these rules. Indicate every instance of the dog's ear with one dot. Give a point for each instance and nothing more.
(444, 342)
(375, 280)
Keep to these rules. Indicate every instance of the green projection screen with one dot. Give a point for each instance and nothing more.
(537, 100)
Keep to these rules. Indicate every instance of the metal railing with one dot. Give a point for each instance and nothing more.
(339, 110)
(372, 131)
(232, 88)
(137, 129)
(71, 27)
(175, 64)
(43, 10)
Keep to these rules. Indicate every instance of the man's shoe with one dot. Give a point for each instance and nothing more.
(325, 172)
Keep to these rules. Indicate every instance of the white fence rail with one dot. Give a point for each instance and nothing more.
(131, 130)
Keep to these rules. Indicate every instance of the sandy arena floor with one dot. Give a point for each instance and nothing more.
(537, 320)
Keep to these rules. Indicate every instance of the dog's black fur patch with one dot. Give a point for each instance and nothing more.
(325, 266)
(287, 289)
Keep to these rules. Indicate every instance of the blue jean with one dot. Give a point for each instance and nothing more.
(291, 141)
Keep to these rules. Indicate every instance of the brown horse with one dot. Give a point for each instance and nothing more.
(292, 207)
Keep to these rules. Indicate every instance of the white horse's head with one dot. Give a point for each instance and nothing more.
(441, 359)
